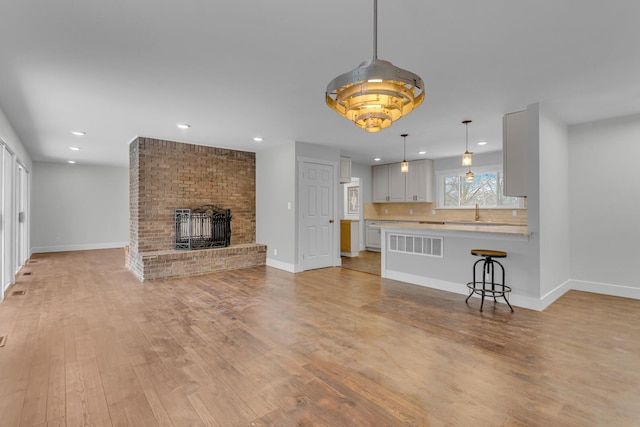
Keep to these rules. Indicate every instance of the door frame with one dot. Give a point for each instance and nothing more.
(335, 247)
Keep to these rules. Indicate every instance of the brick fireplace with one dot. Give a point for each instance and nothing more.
(167, 175)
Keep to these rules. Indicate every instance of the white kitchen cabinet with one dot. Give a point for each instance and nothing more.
(514, 152)
(345, 170)
(388, 183)
(380, 183)
(397, 183)
(420, 181)
(372, 238)
(392, 185)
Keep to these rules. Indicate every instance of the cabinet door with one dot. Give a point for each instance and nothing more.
(345, 170)
(420, 181)
(397, 183)
(514, 152)
(373, 237)
(380, 183)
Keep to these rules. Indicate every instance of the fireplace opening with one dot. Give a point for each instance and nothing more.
(203, 227)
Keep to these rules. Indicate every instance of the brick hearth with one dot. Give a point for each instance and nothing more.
(165, 175)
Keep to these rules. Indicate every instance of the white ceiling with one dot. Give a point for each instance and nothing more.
(233, 70)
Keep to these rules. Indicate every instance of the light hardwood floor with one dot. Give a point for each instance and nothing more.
(366, 262)
(90, 345)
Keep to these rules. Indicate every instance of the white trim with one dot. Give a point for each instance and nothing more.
(522, 301)
(349, 254)
(291, 268)
(87, 247)
(605, 288)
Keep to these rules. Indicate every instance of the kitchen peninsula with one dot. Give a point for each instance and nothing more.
(438, 255)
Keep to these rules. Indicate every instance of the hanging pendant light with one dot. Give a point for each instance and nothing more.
(469, 176)
(377, 93)
(404, 166)
(466, 157)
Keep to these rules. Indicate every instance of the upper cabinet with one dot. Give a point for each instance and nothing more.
(514, 152)
(345, 170)
(380, 183)
(420, 181)
(391, 185)
(397, 183)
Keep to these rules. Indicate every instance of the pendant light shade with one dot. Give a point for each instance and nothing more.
(377, 93)
(469, 177)
(466, 157)
(404, 166)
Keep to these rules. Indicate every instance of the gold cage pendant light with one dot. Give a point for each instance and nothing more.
(377, 93)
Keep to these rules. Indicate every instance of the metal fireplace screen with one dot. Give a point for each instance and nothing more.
(203, 227)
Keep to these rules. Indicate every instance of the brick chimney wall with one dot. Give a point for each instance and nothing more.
(166, 175)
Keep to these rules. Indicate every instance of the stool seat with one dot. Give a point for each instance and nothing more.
(488, 252)
(490, 285)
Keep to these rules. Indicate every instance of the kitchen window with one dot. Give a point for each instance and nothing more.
(485, 190)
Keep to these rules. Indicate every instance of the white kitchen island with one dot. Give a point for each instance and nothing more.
(439, 256)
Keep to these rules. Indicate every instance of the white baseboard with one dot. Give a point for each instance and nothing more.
(522, 301)
(350, 254)
(291, 268)
(87, 247)
(605, 288)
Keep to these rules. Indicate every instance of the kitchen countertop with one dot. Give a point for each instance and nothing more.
(481, 227)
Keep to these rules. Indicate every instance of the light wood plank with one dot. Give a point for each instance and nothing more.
(90, 345)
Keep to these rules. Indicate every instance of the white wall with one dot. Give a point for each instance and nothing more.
(79, 207)
(276, 204)
(605, 205)
(553, 201)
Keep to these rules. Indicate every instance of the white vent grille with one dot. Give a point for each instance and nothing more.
(418, 245)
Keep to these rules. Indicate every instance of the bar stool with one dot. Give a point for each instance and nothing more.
(485, 286)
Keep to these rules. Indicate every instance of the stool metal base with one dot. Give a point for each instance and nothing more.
(495, 293)
(485, 287)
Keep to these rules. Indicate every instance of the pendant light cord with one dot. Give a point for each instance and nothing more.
(404, 146)
(375, 29)
(466, 125)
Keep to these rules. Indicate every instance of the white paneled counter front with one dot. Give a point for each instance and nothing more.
(439, 256)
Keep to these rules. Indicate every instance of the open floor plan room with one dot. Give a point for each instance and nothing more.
(88, 344)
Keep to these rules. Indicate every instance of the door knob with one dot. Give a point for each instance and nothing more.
(330, 221)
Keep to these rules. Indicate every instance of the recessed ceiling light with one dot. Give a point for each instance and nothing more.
(71, 161)
(78, 133)
(258, 139)
(183, 125)
(422, 152)
(75, 148)
(482, 142)
(377, 159)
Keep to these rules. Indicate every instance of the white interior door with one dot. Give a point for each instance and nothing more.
(317, 210)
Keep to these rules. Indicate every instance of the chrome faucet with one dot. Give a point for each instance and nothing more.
(477, 212)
